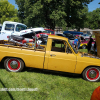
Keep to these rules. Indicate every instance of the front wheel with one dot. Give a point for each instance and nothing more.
(91, 74)
(13, 64)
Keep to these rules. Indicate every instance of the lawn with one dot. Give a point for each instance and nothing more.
(83, 50)
(51, 85)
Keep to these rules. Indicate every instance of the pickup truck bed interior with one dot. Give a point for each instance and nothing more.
(10, 44)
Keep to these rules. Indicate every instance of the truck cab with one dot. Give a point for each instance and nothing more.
(10, 27)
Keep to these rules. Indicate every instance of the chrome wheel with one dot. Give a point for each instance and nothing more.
(13, 64)
(92, 74)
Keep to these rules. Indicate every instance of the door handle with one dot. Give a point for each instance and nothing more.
(52, 55)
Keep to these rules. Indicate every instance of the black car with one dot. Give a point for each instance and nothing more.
(68, 35)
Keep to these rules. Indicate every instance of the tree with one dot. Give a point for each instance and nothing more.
(7, 12)
(51, 13)
(93, 17)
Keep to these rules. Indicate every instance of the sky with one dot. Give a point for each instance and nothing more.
(92, 6)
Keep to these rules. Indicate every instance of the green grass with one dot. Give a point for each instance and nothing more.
(51, 86)
(83, 50)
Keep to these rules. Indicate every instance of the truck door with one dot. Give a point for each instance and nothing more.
(61, 57)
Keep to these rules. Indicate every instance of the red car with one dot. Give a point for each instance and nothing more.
(84, 43)
(48, 32)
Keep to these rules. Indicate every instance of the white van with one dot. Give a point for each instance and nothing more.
(10, 27)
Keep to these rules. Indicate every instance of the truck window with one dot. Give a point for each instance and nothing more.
(60, 46)
(73, 47)
(9, 27)
(20, 27)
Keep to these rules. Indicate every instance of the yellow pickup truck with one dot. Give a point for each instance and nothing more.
(58, 55)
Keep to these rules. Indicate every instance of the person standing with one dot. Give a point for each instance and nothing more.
(79, 41)
(76, 42)
(89, 44)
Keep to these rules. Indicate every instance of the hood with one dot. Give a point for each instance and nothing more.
(88, 55)
(32, 30)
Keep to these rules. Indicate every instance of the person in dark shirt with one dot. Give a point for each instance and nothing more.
(89, 44)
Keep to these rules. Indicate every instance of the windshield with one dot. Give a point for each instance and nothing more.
(72, 46)
(61, 35)
(69, 35)
(20, 27)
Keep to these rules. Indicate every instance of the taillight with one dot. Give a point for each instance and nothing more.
(7, 36)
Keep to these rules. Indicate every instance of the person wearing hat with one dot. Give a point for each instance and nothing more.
(89, 44)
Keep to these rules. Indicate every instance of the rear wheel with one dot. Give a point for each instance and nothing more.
(13, 64)
(91, 74)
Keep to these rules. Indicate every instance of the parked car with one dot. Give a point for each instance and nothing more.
(10, 27)
(85, 35)
(73, 33)
(47, 32)
(50, 31)
(69, 36)
(61, 57)
(84, 42)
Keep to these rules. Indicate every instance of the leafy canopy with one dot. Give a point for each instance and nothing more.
(51, 13)
(7, 11)
(93, 19)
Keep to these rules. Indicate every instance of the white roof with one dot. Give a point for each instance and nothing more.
(13, 22)
(96, 30)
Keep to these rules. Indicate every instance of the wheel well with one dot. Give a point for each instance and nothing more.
(90, 66)
(12, 57)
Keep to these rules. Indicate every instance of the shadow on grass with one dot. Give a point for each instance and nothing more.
(57, 73)
(1, 65)
(11, 97)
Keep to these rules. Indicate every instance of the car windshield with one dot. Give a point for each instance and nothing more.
(49, 31)
(61, 35)
(72, 46)
(69, 35)
(85, 35)
(20, 27)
